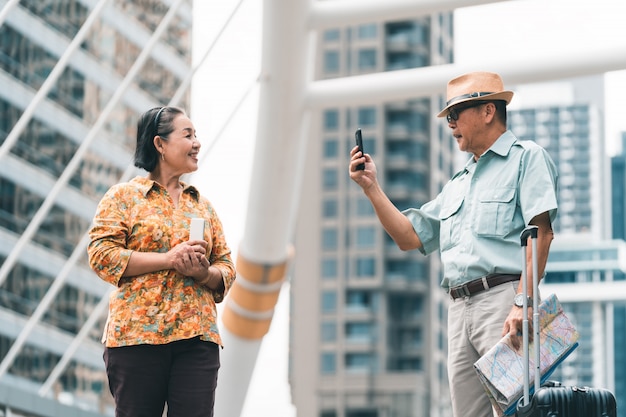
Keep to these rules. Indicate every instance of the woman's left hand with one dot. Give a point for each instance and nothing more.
(189, 259)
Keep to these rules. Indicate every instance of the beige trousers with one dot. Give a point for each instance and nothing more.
(474, 325)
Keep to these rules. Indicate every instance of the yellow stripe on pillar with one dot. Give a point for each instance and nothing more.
(260, 273)
(250, 305)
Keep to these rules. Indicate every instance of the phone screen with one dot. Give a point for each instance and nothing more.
(359, 143)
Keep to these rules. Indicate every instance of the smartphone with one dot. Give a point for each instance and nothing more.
(196, 230)
(359, 143)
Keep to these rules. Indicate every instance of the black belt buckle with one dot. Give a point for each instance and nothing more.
(460, 291)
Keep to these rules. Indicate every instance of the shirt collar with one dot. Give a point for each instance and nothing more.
(145, 185)
(501, 147)
(503, 144)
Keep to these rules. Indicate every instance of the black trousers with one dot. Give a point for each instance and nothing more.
(144, 378)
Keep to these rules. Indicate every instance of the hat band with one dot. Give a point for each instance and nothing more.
(470, 95)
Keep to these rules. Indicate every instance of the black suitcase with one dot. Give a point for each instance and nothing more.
(552, 399)
(555, 400)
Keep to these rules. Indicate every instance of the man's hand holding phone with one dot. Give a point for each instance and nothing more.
(365, 178)
(359, 144)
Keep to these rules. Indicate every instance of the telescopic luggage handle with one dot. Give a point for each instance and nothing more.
(532, 232)
(529, 231)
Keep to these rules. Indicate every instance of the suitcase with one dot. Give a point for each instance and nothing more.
(552, 399)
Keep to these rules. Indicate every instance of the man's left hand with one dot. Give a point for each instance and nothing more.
(513, 326)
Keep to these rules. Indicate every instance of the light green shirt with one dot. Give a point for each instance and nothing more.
(477, 218)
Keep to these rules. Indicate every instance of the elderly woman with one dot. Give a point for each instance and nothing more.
(161, 337)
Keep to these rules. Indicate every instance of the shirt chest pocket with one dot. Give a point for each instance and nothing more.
(450, 223)
(495, 211)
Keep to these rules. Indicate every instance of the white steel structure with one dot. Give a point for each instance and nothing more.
(288, 96)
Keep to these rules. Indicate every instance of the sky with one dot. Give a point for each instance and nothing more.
(227, 81)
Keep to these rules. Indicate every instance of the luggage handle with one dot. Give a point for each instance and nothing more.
(532, 232)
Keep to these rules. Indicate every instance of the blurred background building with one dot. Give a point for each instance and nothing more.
(618, 192)
(366, 326)
(34, 37)
(566, 118)
(367, 321)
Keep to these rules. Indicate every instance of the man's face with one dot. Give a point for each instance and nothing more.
(467, 124)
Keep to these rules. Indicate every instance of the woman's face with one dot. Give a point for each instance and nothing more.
(180, 150)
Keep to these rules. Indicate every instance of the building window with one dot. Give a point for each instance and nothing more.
(330, 179)
(398, 60)
(331, 62)
(360, 301)
(359, 332)
(329, 268)
(365, 237)
(409, 270)
(421, 33)
(331, 119)
(328, 363)
(410, 339)
(360, 362)
(441, 341)
(395, 29)
(329, 331)
(364, 207)
(329, 239)
(366, 116)
(329, 301)
(369, 31)
(331, 148)
(330, 209)
(362, 413)
(365, 267)
(406, 179)
(398, 119)
(405, 364)
(420, 122)
(399, 149)
(332, 35)
(367, 59)
(405, 307)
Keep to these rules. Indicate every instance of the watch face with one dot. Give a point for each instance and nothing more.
(519, 300)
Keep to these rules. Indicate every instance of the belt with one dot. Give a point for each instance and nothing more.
(481, 284)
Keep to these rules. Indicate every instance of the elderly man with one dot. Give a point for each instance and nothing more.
(475, 223)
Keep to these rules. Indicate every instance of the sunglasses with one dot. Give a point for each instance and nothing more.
(454, 112)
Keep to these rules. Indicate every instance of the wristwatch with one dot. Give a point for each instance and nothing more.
(519, 300)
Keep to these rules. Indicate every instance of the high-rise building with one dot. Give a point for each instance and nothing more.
(618, 219)
(567, 119)
(368, 320)
(618, 192)
(51, 178)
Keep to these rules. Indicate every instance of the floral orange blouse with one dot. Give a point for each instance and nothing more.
(163, 306)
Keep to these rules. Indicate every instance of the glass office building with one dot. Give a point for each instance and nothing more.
(40, 233)
(368, 320)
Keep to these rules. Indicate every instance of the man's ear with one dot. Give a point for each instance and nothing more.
(490, 111)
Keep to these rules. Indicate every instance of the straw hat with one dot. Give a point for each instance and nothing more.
(475, 86)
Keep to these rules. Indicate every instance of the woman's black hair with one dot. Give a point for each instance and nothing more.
(155, 122)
